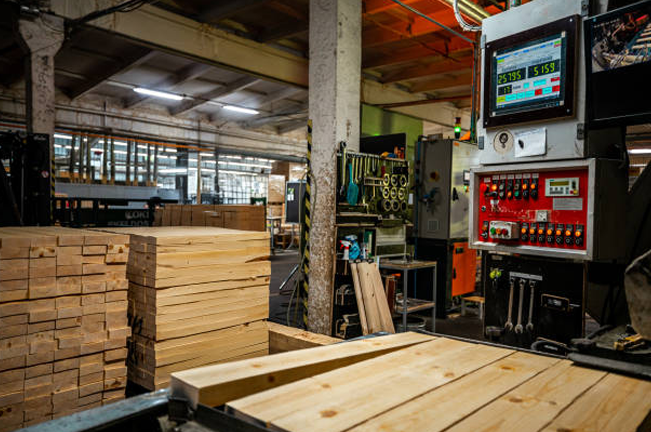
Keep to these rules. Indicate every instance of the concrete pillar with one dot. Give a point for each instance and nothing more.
(40, 38)
(335, 74)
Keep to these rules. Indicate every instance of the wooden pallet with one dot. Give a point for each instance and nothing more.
(63, 322)
(197, 296)
(431, 384)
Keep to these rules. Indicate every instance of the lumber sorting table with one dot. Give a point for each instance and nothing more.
(407, 382)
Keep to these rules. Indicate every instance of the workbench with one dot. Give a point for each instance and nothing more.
(404, 382)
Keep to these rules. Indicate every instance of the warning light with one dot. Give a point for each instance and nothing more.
(540, 231)
(523, 230)
(533, 185)
(532, 231)
(525, 186)
(578, 233)
(494, 187)
(457, 128)
(559, 232)
(509, 194)
(568, 233)
(550, 232)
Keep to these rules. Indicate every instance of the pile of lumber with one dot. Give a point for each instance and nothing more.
(239, 217)
(63, 322)
(416, 382)
(197, 296)
(283, 338)
(374, 313)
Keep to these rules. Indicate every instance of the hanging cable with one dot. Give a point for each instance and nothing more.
(462, 22)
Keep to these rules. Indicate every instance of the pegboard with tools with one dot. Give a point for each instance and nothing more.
(373, 185)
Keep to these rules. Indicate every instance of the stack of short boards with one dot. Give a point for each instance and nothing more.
(63, 322)
(232, 216)
(197, 296)
(374, 313)
(417, 382)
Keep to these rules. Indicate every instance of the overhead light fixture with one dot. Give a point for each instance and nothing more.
(61, 136)
(640, 151)
(241, 110)
(159, 94)
(638, 165)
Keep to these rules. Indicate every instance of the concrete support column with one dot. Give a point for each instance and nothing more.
(40, 38)
(335, 74)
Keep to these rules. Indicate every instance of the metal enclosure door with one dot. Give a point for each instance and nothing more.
(445, 214)
(464, 269)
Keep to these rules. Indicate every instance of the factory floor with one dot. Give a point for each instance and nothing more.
(282, 263)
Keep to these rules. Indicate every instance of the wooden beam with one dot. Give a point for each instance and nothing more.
(383, 34)
(456, 49)
(233, 87)
(432, 69)
(425, 101)
(218, 384)
(283, 31)
(225, 9)
(105, 72)
(186, 74)
(284, 339)
(442, 83)
(372, 7)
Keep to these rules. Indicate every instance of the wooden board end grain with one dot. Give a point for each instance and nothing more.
(283, 339)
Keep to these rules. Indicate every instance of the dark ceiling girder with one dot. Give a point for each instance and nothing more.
(442, 83)
(188, 73)
(283, 32)
(227, 8)
(292, 125)
(424, 101)
(104, 72)
(276, 116)
(272, 97)
(456, 49)
(429, 70)
(233, 87)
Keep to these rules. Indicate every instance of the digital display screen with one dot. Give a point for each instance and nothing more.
(529, 76)
(559, 183)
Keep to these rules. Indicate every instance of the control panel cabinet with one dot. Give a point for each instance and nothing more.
(546, 209)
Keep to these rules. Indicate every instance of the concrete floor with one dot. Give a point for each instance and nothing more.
(283, 262)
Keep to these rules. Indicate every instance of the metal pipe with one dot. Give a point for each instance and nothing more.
(155, 180)
(112, 161)
(104, 161)
(443, 26)
(148, 183)
(88, 161)
(470, 9)
(135, 164)
(475, 72)
(71, 161)
(199, 177)
(127, 180)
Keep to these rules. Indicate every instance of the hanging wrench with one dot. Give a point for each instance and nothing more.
(518, 327)
(532, 285)
(509, 323)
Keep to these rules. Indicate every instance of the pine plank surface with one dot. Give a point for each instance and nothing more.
(283, 339)
(215, 385)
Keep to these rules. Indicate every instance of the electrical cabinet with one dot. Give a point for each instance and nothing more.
(547, 209)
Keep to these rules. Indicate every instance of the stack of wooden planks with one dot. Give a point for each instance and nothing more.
(240, 217)
(63, 322)
(410, 382)
(283, 338)
(374, 313)
(197, 296)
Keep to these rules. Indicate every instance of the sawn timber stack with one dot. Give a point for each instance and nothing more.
(197, 296)
(63, 322)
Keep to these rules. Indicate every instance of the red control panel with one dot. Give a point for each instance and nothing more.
(544, 209)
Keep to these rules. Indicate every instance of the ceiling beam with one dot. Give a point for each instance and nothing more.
(425, 101)
(275, 116)
(227, 8)
(292, 125)
(437, 68)
(372, 7)
(382, 34)
(456, 49)
(235, 86)
(442, 83)
(283, 31)
(188, 73)
(272, 97)
(299, 14)
(104, 72)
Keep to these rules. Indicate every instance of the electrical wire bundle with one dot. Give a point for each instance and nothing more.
(127, 6)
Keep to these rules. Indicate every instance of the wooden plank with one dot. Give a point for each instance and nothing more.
(381, 298)
(370, 304)
(359, 297)
(340, 399)
(615, 404)
(216, 385)
(437, 410)
(283, 339)
(535, 403)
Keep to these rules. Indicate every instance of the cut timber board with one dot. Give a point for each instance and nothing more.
(216, 385)
(283, 339)
(359, 297)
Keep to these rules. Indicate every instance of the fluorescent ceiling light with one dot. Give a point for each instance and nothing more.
(170, 150)
(638, 165)
(159, 94)
(640, 151)
(241, 110)
(174, 170)
(244, 164)
(61, 136)
(238, 172)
